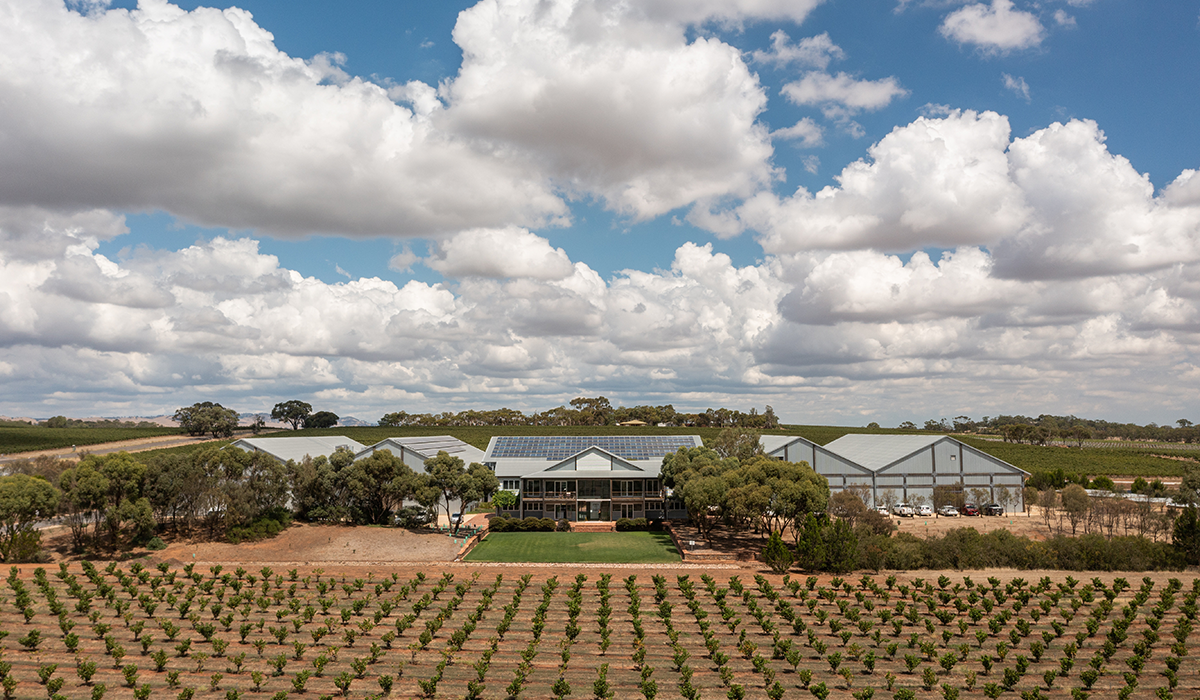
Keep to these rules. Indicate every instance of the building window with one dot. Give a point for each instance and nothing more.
(533, 487)
(629, 510)
(510, 484)
(627, 489)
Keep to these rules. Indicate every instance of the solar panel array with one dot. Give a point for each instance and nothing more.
(631, 447)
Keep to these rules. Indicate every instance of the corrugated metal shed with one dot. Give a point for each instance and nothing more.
(413, 451)
(878, 451)
(297, 448)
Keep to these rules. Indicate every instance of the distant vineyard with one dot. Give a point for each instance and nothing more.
(31, 439)
(1093, 462)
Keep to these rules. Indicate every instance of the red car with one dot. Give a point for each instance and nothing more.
(970, 509)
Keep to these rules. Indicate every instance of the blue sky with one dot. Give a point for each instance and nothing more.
(885, 210)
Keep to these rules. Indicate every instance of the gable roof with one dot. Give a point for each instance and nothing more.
(426, 447)
(875, 452)
(297, 448)
(594, 466)
(772, 443)
(878, 452)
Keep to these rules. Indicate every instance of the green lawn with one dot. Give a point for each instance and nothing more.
(585, 547)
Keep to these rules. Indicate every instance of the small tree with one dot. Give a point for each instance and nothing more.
(1187, 535)
(294, 412)
(777, 555)
(23, 501)
(505, 500)
(321, 419)
(1075, 502)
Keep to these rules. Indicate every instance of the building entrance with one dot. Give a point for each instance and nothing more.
(594, 510)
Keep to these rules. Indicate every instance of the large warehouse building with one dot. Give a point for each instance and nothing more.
(889, 469)
(608, 477)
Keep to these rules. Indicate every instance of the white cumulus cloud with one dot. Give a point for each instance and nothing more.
(995, 27)
(811, 52)
(510, 252)
(199, 114)
(842, 94)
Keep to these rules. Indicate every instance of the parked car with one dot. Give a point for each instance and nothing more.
(883, 510)
(903, 510)
(969, 509)
(993, 509)
(924, 511)
(948, 511)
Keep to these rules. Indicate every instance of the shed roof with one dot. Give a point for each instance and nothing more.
(297, 448)
(878, 451)
(428, 446)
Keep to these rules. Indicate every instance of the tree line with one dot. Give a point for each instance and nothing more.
(590, 411)
(115, 501)
(1045, 427)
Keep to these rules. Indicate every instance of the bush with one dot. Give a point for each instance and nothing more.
(966, 548)
(156, 544)
(504, 523)
(632, 525)
(264, 526)
(564, 525)
(777, 555)
(26, 546)
(413, 516)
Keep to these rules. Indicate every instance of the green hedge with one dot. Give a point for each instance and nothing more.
(507, 524)
(633, 525)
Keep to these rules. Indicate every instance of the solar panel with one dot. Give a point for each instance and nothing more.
(631, 447)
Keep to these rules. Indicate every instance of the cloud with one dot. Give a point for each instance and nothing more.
(828, 333)
(1063, 19)
(842, 95)
(199, 114)
(1016, 85)
(934, 182)
(806, 132)
(1053, 205)
(403, 261)
(500, 253)
(812, 52)
(609, 102)
(994, 28)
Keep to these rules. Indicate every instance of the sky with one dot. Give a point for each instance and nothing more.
(880, 210)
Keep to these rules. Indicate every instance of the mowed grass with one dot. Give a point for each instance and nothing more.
(577, 547)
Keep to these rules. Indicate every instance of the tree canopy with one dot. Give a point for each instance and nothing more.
(207, 417)
(293, 412)
(764, 492)
(23, 501)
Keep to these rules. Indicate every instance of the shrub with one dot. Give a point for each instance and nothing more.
(776, 554)
(156, 544)
(264, 526)
(632, 525)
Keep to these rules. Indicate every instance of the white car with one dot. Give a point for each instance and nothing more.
(883, 510)
(903, 510)
(925, 511)
(948, 511)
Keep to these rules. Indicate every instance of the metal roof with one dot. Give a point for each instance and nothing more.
(428, 446)
(297, 448)
(633, 448)
(770, 443)
(878, 451)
